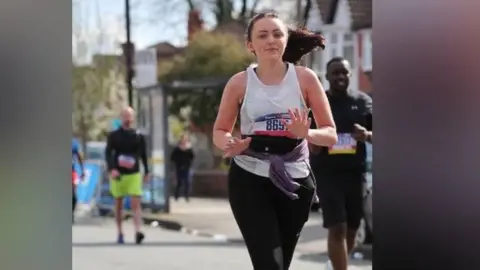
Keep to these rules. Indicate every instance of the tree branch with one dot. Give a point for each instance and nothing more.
(254, 8)
(243, 12)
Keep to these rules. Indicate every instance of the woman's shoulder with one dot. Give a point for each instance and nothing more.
(307, 79)
(236, 85)
(238, 80)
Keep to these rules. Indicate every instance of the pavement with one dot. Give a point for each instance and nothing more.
(212, 220)
(93, 247)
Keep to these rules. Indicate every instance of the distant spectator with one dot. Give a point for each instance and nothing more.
(182, 156)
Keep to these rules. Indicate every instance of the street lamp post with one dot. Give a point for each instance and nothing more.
(128, 52)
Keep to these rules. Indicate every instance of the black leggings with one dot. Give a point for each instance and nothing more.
(269, 221)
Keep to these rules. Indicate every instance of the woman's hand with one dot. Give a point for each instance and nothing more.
(299, 123)
(236, 146)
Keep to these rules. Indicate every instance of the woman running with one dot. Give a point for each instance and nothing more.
(270, 184)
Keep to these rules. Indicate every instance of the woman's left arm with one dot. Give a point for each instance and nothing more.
(325, 133)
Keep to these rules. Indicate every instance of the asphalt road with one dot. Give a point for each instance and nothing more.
(93, 247)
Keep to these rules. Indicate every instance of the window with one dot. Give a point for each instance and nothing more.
(348, 37)
(333, 52)
(317, 62)
(342, 43)
(349, 54)
(333, 38)
(367, 54)
(348, 48)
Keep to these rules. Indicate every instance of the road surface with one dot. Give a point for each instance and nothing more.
(93, 247)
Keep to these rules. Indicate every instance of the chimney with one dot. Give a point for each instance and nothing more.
(195, 23)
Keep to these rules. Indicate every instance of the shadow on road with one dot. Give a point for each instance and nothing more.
(323, 257)
(156, 244)
(312, 233)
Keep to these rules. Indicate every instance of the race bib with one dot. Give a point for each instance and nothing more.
(126, 161)
(271, 125)
(346, 145)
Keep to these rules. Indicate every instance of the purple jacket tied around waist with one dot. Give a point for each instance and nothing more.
(278, 173)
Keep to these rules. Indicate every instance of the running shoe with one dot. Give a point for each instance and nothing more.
(120, 239)
(139, 238)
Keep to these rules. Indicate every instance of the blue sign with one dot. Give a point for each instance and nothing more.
(86, 189)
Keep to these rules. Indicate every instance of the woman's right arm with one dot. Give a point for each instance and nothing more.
(228, 110)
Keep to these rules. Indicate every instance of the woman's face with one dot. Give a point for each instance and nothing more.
(268, 39)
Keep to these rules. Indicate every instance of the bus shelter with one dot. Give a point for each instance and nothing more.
(152, 113)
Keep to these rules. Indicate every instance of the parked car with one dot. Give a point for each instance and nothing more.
(95, 150)
(365, 232)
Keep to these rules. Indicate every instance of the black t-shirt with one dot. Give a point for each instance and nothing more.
(182, 158)
(125, 148)
(347, 155)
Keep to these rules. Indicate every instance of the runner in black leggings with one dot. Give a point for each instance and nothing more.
(270, 184)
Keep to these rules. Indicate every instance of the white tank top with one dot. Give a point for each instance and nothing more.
(263, 107)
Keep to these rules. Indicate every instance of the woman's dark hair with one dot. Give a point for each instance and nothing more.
(300, 42)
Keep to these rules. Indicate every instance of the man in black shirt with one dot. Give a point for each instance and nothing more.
(340, 170)
(125, 147)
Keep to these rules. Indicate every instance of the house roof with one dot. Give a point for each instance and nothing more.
(165, 49)
(164, 45)
(361, 14)
(325, 8)
(361, 11)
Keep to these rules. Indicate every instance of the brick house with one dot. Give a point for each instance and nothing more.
(166, 50)
(347, 27)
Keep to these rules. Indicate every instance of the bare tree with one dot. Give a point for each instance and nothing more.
(221, 10)
(97, 87)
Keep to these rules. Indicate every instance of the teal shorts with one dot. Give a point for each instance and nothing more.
(127, 185)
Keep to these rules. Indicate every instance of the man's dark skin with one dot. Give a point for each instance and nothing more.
(341, 239)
